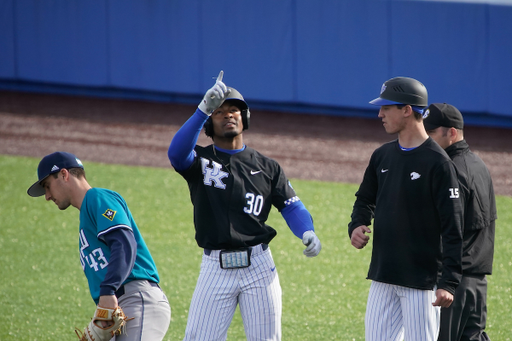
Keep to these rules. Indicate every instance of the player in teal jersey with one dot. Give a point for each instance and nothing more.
(116, 261)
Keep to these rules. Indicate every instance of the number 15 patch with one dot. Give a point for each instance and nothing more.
(109, 214)
(454, 193)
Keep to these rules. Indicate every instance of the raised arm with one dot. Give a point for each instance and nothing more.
(181, 149)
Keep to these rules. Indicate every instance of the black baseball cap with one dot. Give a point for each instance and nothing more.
(403, 91)
(50, 164)
(442, 115)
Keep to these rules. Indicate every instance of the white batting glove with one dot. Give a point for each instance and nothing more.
(214, 96)
(312, 242)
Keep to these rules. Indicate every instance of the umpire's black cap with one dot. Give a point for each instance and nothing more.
(50, 164)
(442, 115)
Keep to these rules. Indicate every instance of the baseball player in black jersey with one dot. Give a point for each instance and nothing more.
(465, 319)
(411, 192)
(233, 188)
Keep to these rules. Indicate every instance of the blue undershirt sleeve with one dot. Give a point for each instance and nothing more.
(298, 218)
(123, 251)
(181, 149)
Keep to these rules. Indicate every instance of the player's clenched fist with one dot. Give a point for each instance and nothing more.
(359, 239)
(443, 298)
(214, 96)
(310, 239)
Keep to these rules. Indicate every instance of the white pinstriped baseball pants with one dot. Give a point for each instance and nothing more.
(218, 291)
(396, 313)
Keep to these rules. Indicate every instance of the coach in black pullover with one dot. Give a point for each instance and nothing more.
(408, 193)
(410, 190)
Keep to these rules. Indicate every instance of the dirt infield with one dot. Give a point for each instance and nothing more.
(318, 147)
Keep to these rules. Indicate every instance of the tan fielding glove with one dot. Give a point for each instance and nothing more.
(95, 331)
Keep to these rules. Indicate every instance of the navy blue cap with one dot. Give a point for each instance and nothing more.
(50, 164)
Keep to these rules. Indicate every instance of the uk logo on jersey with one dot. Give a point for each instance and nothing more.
(109, 214)
(213, 175)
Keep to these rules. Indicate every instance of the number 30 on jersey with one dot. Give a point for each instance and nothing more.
(254, 204)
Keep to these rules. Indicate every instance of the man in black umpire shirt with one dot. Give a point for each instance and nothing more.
(465, 319)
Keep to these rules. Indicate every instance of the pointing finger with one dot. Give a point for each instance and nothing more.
(219, 77)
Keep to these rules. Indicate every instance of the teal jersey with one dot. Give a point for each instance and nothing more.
(103, 211)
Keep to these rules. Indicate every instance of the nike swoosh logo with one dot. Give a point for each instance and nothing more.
(383, 170)
(255, 172)
(272, 269)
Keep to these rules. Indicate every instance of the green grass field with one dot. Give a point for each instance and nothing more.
(44, 294)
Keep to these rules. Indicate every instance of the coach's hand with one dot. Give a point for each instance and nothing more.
(310, 239)
(443, 298)
(214, 96)
(359, 239)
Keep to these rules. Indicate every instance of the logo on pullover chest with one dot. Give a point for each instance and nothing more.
(415, 176)
(213, 175)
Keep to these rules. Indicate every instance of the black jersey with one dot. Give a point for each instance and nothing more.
(233, 195)
(414, 200)
(479, 209)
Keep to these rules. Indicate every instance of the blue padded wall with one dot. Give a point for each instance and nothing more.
(323, 54)
(7, 48)
(61, 42)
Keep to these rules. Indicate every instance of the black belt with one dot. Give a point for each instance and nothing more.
(120, 291)
(209, 251)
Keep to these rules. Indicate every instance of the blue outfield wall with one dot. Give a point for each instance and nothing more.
(328, 56)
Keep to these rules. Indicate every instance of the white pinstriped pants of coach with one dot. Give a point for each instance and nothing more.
(218, 291)
(396, 313)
